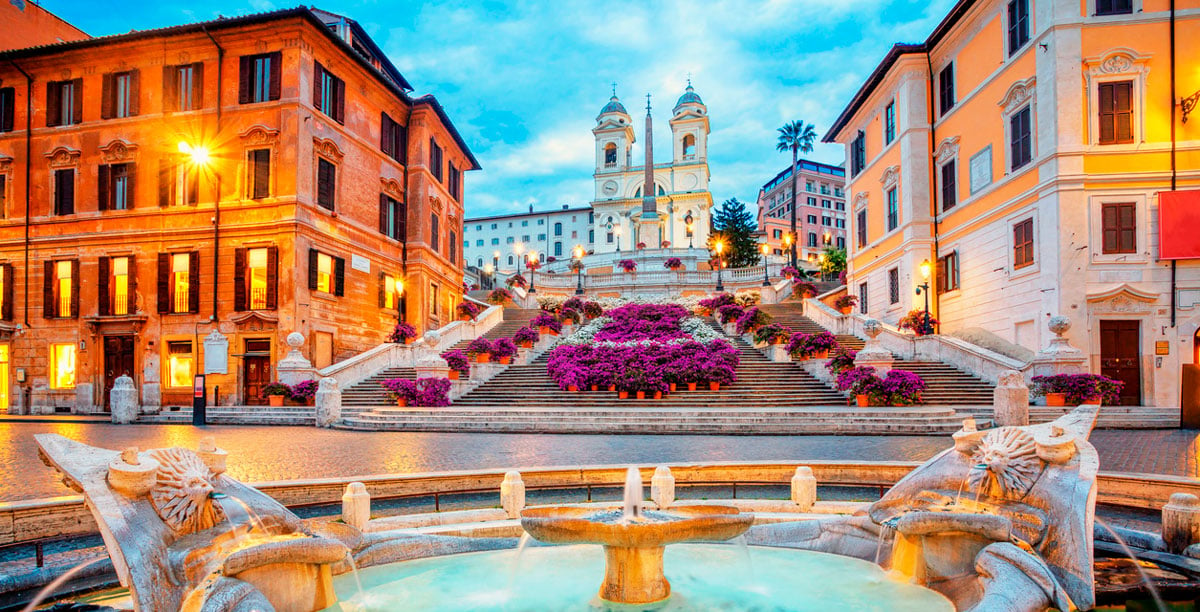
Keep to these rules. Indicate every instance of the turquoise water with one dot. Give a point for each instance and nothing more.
(708, 577)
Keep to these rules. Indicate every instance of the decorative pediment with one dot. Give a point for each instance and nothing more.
(890, 177)
(1017, 95)
(261, 135)
(1119, 60)
(328, 148)
(435, 204)
(1123, 298)
(6, 163)
(116, 324)
(61, 157)
(947, 150)
(392, 188)
(254, 320)
(860, 199)
(117, 151)
(611, 123)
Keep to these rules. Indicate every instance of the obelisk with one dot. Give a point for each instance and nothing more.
(649, 231)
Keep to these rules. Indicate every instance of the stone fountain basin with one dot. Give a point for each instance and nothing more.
(577, 525)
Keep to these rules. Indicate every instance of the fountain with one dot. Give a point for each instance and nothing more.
(634, 538)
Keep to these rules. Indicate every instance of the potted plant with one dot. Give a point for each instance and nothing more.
(401, 390)
(516, 280)
(500, 296)
(627, 265)
(804, 289)
(666, 244)
(897, 388)
(303, 392)
(546, 324)
(792, 272)
(641, 245)
(919, 322)
(772, 333)
(752, 319)
(569, 316)
(525, 337)
(503, 350)
(729, 313)
(467, 311)
(840, 361)
(573, 302)
(576, 265)
(858, 382)
(402, 333)
(1076, 389)
(592, 310)
(458, 362)
(845, 303)
(421, 392)
(275, 393)
(812, 346)
(673, 263)
(480, 349)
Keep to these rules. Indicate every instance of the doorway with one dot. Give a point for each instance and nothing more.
(118, 361)
(1120, 357)
(256, 366)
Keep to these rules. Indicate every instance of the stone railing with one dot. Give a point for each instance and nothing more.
(660, 280)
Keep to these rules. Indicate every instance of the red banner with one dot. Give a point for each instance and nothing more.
(1179, 224)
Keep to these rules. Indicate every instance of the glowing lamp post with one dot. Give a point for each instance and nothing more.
(617, 233)
(766, 275)
(495, 264)
(489, 270)
(519, 250)
(719, 247)
(578, 269)
(923, 289)
(533, 262)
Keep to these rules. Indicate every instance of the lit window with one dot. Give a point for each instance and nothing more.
(62, 275)
(179, 364)
(256, 262)
(324, 273)
(62, 366)
(120, 285)
(391, 292)
(179, 282)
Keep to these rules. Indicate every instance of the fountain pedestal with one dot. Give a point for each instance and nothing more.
(634, 575)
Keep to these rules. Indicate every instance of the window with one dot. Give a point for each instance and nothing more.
(453, 246)
(258, 77)
(1023, 243)
(256, 273)
(455, 183)
(1018, 25)
(840, 223)
(812, 239)
(329, 93)
(608, 237)
(558, 249)
(391, 218)
(178, 181)
(64, 191)
(435, 160)
(258, 162)
(592, 236)
(689, 146)
(180, 360)
(889, 127)
(525, 223)
(860, 226)
(392, 139)
(116, 187)
(558, 229)
(1114, 7)
(540, 222)
(60, 289)
(1118, 222)
(777, 234)
(812, 219)
(610, 155)
(947, 272)
(183, 87)
(326, 273)
(946, 90)
(839, 205)
(64, 102)
(893, 210)
(180, 283)
(858, 154)
(435, 233)
(1021, 137)
(841, 242)
(119, 95)
(389, 291)
(1116, 112)
(3, 196)
(525, 238)
(811, 202)
(8, 101)
(541, 237)
(949, 185)
(826, 204)
(809, 186)
(826, 221)
(118, 284)
(893, 286)
(510, 260)
(478, 243)
(510, 240)
(862, 298)
(326, 183)
(62, 366)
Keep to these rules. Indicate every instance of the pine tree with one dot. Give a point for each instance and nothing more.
(735, 226)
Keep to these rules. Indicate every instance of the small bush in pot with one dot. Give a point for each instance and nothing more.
(857, 381)
(729, 313)
(516, 280)
(772, 333)
(897, 388)
(627, 265)
(459, 364)
(592, 310)
(845, 303)
(303, 391)
(1076, 389)
(504, 350)
(673, 263)
(919, 322)
(546, 323)
(574, 303)
(500, 296)
(807, 346)
(752, 319)
(526, 337)
(480, 349)
(569, 315)
(804, 289)
(402, 333)
(467, 311)
(841, 360)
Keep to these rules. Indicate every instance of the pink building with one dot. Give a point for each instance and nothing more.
(820, 217)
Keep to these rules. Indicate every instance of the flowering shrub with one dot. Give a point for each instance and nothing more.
(1079, 388)
(804, 346)
(773, 333)
(643, 366)
(457, 360)
(842, 277)
(840, 360)
(516, 280)
(752, 319)
(421, 392)
(643, 322)
(574, 303)
(526, 335)
(627, 265)
(503, 347)
(898, 388)
(303, 391)
(592, 310)
(710, 305)
(569, 315)
(856, 380)
(846, 301)
(641, 245)
(920, 322)
(533, 264)
(729, 313)
(470, 310)
(791, 272)
(576, 265)
(551, 259)
(804, 289)
(666, 243)
(401, 333)
(748, 297)
(479, 346)
(672, 262)
(545, 319)
(499, 296)
(275, 388)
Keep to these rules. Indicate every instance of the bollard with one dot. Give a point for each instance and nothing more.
(804, 488)
(1181, 522)
(662, 487)
(356, 506)
(512, 494)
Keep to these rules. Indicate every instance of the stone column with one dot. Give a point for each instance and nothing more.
(804, 488)
(1181, 522)
(512, 494)
(295, 367)
(662, 487)
(123, 401)
(328, 402)
(778, 353)
(356, 506)
(1011, 399)
(873, 354)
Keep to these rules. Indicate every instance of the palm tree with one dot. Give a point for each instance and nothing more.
(797, 136)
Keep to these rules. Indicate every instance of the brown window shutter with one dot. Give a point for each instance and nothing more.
(170, 89)
(382, 289)
(272, 278)
(1123, 107)
(164, 282)
(193, 185)
(135, 90)
(74, 289)
(103, 307)
(262, 173)
(245, 70)
(339, 272)
(194, 282)
(53, 103)
(383, 215)
(65, 191)
(164, 181)
(130, 185)
(8, 102)
(6, 311)
(132, 284)
(385, 134)
(401, 222)
(48, 290)
(106, 96)
(339, 101)
(317, 75)
(312, 269)
(276, 70)
(102, 187)
(197, 85)
(239, 280)
(77, 115)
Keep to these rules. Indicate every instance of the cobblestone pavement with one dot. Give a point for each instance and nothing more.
(261, 453)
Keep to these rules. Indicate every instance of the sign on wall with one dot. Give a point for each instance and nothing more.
(981, 169)
(216, 353)
(360, 263)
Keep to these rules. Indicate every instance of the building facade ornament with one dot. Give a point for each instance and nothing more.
(861, 199)
(392, 188)
(117, 151)
(262, 135)
(890, 177)
(1017, 95)
(1118, 60)
(328, 148)
(6, 163)
(947, 150)
(63, 157)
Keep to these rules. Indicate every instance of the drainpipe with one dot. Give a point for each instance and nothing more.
(1174, 169)
(28, 178)
(933, 184)
(216, 221)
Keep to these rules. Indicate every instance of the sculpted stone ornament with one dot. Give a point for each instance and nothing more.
(181, 496)
(1006, 463)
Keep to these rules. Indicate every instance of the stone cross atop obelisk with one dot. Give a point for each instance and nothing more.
(648, 227)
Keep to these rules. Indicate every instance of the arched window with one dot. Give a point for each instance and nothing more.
(510, 260)
(661, 191)
(689, 146)
(610, 155)
(479, 263)
(812, 239)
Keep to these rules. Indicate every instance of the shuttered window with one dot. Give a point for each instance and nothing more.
(60, 289)
(118, 286)
(326, 183)
(1021, 137)
(329, 93)
(119, 93)
(889, 123)
(1018, 25)
(893, 209)
(8, 105)
(862, 298)
(454, 182)
(1116, 112)
(179, 283)
(258, 162)
(115, 186)
(1119, 227)
(1023, 244)
(6, 292)
(183, 87)
(391, 218)
(256, 279)
(946, 99)
(259, 77)
(1114, 7)
(434, 232)
(949, 172)
(947, 272)
(392, 138)
(64, 191)
(326, 273)
(3, 196)
(64, 102)
(860, 227)
(435, 159)
(858, 154)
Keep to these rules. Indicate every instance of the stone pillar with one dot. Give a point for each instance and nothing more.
(873, 354)
(432, 366)
(804, 488)
(1010, 400)
(662, 487)
(356, 506)
(512, 494)
(328, 402)
(778, 353)
(1181, 522)
(123, 401)
(295, 367)
(1060, 357)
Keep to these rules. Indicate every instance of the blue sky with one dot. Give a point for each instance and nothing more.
(524, 81)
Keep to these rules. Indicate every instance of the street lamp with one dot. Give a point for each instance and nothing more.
(617, 233)
(198, 154)
(787, 245)
(518, 249)
(490, 271)
(719, 247)
(578, 269)
(495, 265)
(923, 289)
(821, 263)
(533, 259)
(691, 229)
(766, 277)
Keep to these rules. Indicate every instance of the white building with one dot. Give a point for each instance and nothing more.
(503, 239)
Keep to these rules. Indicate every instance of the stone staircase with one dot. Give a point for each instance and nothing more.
(238, 415)
(946, 385)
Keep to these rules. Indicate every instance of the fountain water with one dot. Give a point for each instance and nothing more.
(632, 510)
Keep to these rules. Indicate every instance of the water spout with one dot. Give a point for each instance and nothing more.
(633, 495)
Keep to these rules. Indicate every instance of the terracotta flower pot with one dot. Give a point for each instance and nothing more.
(809, 294)
(777, 341)
(672, 387)
(453, 375)
(847, 310)
(545, 331)
(409, 340)
(1093, 400)
(483, 358)
(275, 400)
(692, 386)
(612, 387)
(595, 387)
(401, 402)
(821, 355)
(714, 386)
(622, 395)
(658, 395)
(1056, 399)
(464, 318)
(572, 388)
(676, 268)
(641, 395)
(505, 360)
(526, 345)
(862, 400)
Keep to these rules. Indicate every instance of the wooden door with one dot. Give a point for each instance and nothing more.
(1120, 357)
(118, 361)
(256, 371)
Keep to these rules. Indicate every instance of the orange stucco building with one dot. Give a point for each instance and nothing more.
(182, 199)
(25, 24)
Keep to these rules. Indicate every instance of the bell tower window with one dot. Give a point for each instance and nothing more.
(610, 155)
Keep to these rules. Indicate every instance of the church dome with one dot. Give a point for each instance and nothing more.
(614, 106)
(689, 97)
